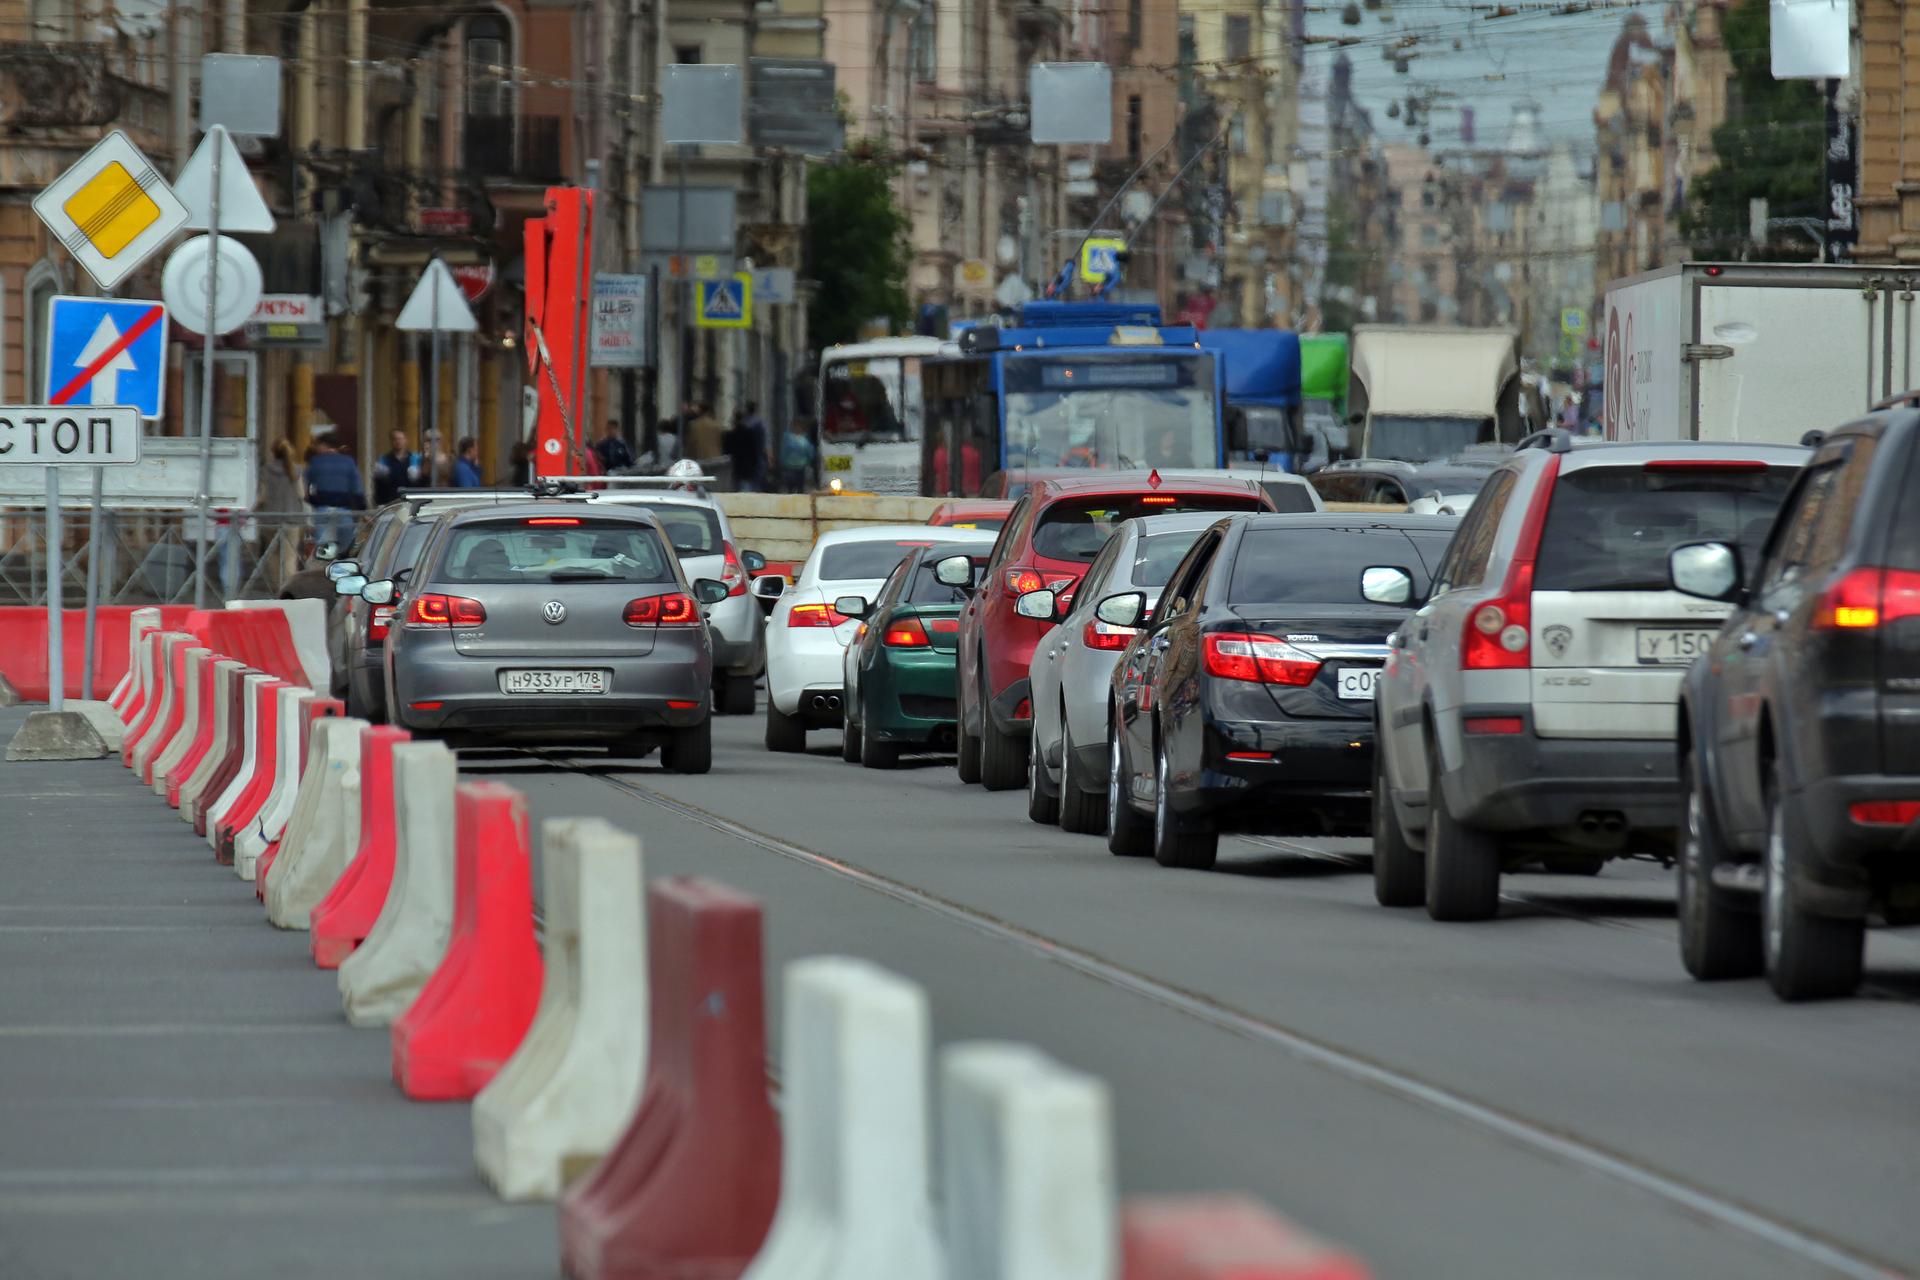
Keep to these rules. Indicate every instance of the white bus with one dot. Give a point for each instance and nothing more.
(871, 414)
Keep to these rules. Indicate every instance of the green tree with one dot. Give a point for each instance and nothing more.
(857, 245)
(1769, 147)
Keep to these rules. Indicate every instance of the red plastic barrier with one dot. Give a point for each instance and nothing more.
(154, 644)
(199, 673)
(313, 710)
(23, 647)
(689, 1191)
(236, 756)
(1222, 1237)
(174, 715)
(273, 637)
(345, 917)
(246, 807)
(476, 1008)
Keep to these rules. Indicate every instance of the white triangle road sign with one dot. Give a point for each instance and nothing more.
(437, 303)
(241, 208)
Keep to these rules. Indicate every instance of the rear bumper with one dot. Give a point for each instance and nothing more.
(1851, 861)
(1005, 705)
(367, 682)
(462, 694)
(909, 696)
(1319, 776)
(1519, 782)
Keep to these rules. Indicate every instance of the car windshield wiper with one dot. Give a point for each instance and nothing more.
(580, 575)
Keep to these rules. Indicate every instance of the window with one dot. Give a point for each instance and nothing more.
(1472, 548)
(1239, 37)
(1792, 546)
(1136, 21)
(1133, 128)
(1237, 134)
(1076, 529)
(1830, 537)
(1158, 554)
(43, 282)
(1429, 235)
(927, 589)
(489, 74)
(1610, 528)
(1185, 584)
(686, 54)
(693, 531)
(923, 45)
(522, 551)
(1320, 565)
(1013, 533)
(853, 561)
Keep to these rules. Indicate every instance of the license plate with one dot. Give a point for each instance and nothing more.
(839, 462)
(553, 681)
(1670, 646)
(1358, 682)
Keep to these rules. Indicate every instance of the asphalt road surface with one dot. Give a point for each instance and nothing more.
(1544, 1095)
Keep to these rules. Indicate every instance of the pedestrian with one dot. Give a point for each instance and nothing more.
(796, 458)
(615, 453)
(283, 516)
(520, 463)
(466, 468)
(666, 444)
(396, 469)
(704, 436)
(334, 493)
(749, 450)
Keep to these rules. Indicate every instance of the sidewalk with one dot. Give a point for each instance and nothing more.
(179, 1093)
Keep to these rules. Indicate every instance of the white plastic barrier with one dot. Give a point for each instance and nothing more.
(320, 842)
(169, 693)
(379, 981)
(853, 1165)
(139, 622)
(174, 749)
(267, 827)
(193, 790)
(1027, 1170)
(251, 692)
(307, 623)
(569, 1091)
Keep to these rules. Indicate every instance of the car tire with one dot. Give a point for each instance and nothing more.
(785, 733)
(1808, 956)
(966, 752)
(1399, 869)
(733, 695)
(1043, 806)
(1083, 811)
(1719, 931)
(1463, 863)
(1002, 759)
(849, 738)
(876, 754)
(689, 750)
(1128, 834)
(1190, 846)
(1574, 864)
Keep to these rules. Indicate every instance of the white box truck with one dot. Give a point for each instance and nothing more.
(1421, 392)
(1754, 351)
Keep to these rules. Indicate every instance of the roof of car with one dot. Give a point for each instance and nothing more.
(895, 532)
(1343, 520)
(532, 508)
(1176, 522)
(638, 498)
(1141, 481)
(1609, 453)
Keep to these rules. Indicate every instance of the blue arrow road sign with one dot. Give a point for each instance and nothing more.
(107, 351)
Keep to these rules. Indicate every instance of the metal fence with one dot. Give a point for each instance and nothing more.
(148, 557)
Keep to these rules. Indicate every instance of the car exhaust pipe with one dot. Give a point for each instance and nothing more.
(1613, 824)
(1590, 823)
(824, 702)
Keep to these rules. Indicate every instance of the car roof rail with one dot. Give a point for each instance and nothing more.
(1813, 439)
(1552, 439)
(1906, 399)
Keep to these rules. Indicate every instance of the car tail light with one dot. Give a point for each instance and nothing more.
(1021, 581)
(1158, 500)
(1498, 634)
(815, 615)
(681, 704)
(674, 609)
(944, 626)
(1106, 636)
(380, 622)
(1494, 724)
(1261, 659)
(561, 520)
(733, 573)
(907, 633)
(445, 611)
(1865, 598)
(1884, 813)
(1025, 710)
(1250, 755)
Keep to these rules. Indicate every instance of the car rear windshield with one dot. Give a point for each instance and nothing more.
(1290, 497)
(852, 561)
(554, 549)
(1610, 528)
(1076, 528)
(1323, 566)
(986, 524)
(1157, 554)
(693, 531)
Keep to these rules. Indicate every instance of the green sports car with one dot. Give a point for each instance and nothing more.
(900, 670)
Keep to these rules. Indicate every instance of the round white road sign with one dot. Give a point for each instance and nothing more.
(183, 284)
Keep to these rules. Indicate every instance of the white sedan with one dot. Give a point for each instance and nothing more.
(807, 637)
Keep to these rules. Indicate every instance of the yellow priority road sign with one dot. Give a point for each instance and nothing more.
(725, 303)
(112, 210)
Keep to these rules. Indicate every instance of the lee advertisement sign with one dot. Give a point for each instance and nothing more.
(619, 321)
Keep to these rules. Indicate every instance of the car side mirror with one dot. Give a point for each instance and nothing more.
(954, 571)
(1128, 609)
(852, 606)
(341, 569)
(768, 588)
(1043, 604)
(753, 562)
(1386, 584)
(1709, 570)
(709, 590)
(382, 592)
(351, 585)
(327, 551)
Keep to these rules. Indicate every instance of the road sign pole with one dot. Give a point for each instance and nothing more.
(433, 397)
(56, 641)
(203, 501)
(685, 326)
(93, 585)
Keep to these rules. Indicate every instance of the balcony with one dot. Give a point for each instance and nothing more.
(514, 148)
(50, 86)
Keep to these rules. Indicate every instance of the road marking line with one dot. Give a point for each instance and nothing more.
(1727, 1213)
(52, 1029)
(243, 1176)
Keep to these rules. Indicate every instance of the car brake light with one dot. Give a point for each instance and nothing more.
(681, 704)
(1025, 710)
(1497, 636)
(445, 611)
(1705, 464)
(1021, 581)
(944, 626)
(568, 520)
(1494, 724)
(1158, 500)
(815, 615)
(1866, 598)
(1884, 813)
(380, 622)
(674, 609)
(733, 573)
(1106, 636)
(905, 634)
(1261, 659)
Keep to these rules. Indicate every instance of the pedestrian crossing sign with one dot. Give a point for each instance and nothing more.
(1100, 259)
(726, 303)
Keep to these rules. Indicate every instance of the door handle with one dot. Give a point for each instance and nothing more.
(1748, 640)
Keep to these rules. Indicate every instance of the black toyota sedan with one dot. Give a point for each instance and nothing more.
(1246, 702)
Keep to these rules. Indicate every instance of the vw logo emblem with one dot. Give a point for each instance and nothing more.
(555, 612)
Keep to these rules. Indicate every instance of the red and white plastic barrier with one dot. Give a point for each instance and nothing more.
(139, 622)
(168, 670)
(256, 691)
(325, 821)
(198, 662)
(1223, 1237)
(347, 914)
(251, 838)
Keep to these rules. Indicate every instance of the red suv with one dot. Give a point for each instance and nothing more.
(1053, 533)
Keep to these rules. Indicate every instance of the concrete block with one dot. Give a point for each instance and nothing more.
(9, 696)
(766, 506)
(1027, 1167)
(384, 974)
(853, 1187)
(56, 735)
(313, 855)
(570, 1090)
(100, 715)
(271, 821)
(252, 689)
